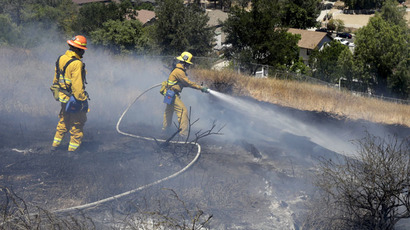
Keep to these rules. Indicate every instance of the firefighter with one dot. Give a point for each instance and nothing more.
(70, 79)
(177, 80)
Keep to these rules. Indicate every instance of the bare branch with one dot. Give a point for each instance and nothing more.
(370, 191)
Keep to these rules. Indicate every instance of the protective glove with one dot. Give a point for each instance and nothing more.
(205, 90)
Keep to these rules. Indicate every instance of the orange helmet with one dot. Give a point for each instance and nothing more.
(78, 41)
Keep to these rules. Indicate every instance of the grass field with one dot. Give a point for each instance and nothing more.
(306, 96)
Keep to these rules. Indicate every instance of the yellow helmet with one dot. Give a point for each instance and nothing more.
(185, 57)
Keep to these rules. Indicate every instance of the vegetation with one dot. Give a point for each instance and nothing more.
(380, 58)
(93, 16)
(326, 61)
(382, 51)
(182, 27)
(300, 14)
(120, 36)
(307, 96)
(26, 22)
(8, 31)
(17, 215)
(364, 4)
(266, 43)
(369, 190)
(336, 25)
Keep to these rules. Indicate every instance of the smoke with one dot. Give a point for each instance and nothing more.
(115, 81)
(276, 124)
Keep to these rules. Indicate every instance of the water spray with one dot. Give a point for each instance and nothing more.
(284, 123)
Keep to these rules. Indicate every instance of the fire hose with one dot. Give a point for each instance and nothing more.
(99, 202)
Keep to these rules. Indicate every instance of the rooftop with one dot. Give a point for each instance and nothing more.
(145, 16)
(309, 39)
(215, 16)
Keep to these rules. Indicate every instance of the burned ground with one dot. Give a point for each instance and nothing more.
(244, 182)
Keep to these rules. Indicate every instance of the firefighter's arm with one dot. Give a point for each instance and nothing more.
(183, 79)
(77, 85)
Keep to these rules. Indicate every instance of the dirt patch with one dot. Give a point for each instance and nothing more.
(353, 21)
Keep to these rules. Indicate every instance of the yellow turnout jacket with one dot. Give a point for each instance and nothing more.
(178, 79)
(73, 78)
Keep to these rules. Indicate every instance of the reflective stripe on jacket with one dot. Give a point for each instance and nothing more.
(178, 80)
(73, 77)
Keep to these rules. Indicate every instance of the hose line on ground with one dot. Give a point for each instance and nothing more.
(96, 203)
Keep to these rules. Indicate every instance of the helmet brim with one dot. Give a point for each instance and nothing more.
(70, 42)
(180, 59)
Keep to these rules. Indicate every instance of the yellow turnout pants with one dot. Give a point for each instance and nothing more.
(73, 122)
(182, 113)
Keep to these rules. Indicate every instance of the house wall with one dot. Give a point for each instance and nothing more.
(303, 52)
(324, 40)
(218, 41)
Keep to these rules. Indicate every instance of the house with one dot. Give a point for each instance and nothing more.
(309, 41)
(146, 17)
(216, 18)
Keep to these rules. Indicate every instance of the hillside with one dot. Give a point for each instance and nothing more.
(258, 174)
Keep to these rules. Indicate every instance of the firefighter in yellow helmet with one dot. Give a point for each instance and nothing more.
(70, 80)
(177, 80)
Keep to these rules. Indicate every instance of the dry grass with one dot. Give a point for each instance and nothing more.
(306, 96)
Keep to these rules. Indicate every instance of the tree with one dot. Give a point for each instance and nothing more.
(145, 6)
(324, 62)
(119, 36)
(347, 71)
(242, 3)
(182, 28)
(336, 24)
(391, 13)
(400, 82)
(364, 4)
(300, 14)
(227, 4)
(267, 43)
(13, 8)
(368, 190)
(380, 47)
(300, 67)
(35, 18)
(93, 15)
(51, 14)
(9, 31)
